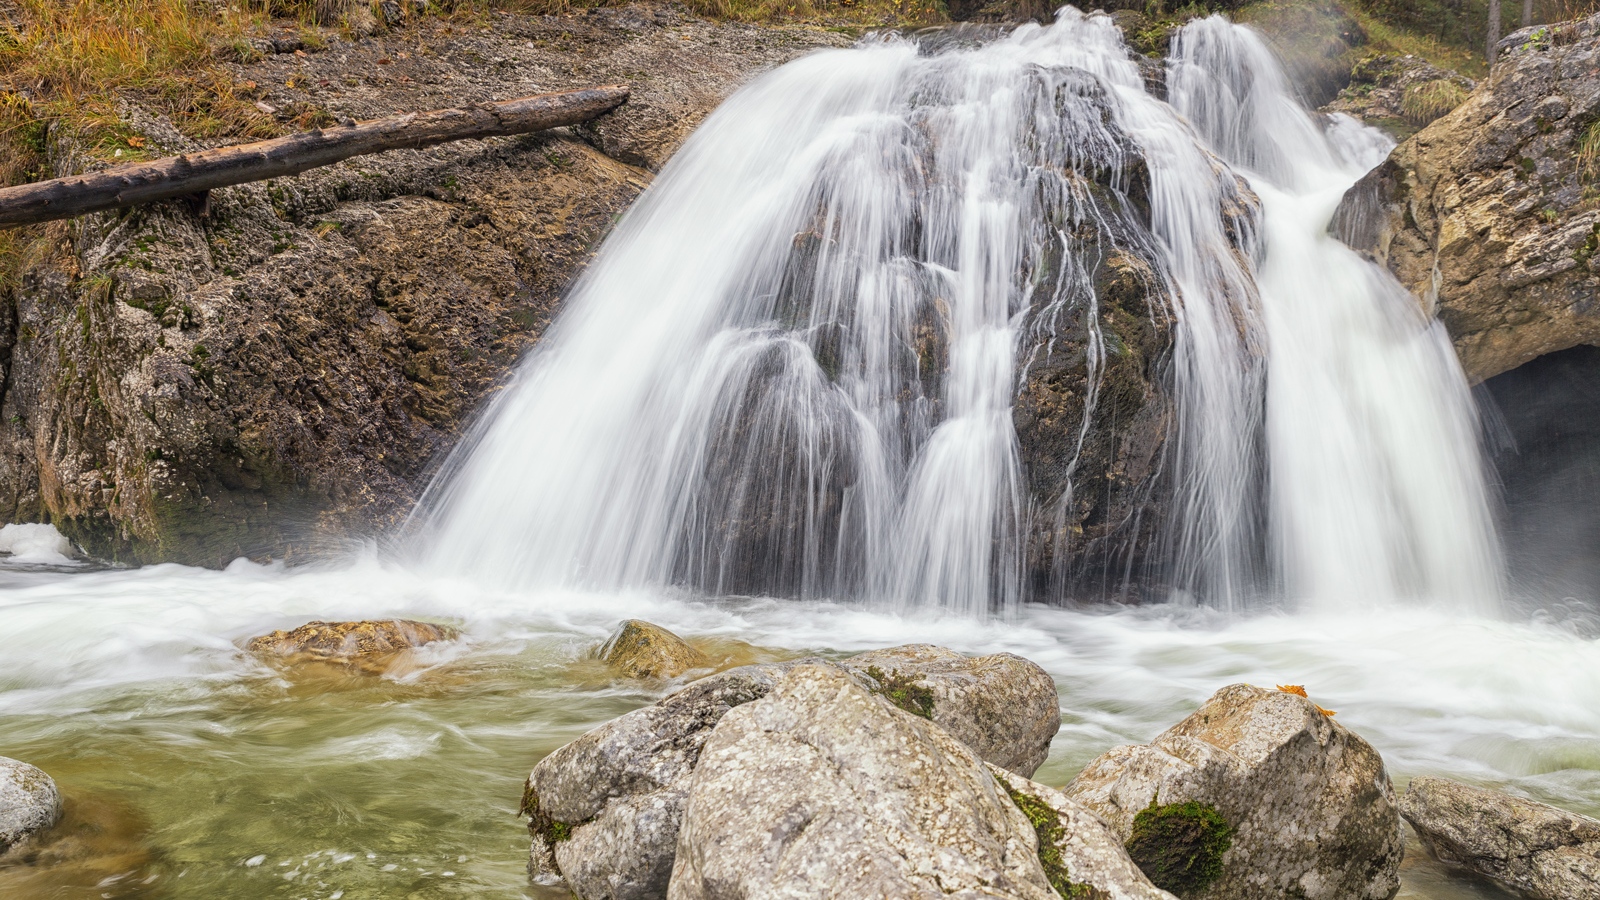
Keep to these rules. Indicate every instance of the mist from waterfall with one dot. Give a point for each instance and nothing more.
(791, 368)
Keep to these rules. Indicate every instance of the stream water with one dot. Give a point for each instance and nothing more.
(1331, 523)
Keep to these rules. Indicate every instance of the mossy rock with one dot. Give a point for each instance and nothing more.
(907, 693)
(1046, 824)
(1179, 846)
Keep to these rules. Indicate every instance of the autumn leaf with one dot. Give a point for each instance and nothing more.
(136, 142)
(1326, 712)
(1299, 690)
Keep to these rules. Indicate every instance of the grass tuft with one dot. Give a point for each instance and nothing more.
(1426, 101)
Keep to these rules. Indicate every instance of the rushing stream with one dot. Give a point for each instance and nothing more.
(742, 448)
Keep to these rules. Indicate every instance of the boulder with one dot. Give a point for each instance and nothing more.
(1080, 853)
(824, 790)
(29, 802)
(1259, 794)
(1488, 213)
(368, 645)
(1537, 849)
(604, 810)
(638, 649)
(1002, 706)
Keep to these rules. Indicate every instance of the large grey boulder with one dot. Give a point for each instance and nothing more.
(1544, 852)
(1002, 706)
(29, 802)
(1259, 794)
(604, 810)
(825, 790)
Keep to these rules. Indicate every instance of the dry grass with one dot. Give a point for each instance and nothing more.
(1426, 101)
(1383, 37)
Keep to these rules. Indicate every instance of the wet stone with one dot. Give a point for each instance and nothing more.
(369, 645)
(638, 649)
(29, 802)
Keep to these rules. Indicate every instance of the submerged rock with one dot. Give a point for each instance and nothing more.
(1080, 853)
(1002, 706)
(1259, 794)
(29, 802)
(605, 809)
(1545, 852)
(824, 790)
(639, 649)
(366, 644)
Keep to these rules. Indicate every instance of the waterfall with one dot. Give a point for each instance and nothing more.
(793, 367)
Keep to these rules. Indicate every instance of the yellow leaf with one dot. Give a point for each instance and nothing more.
(1298, 690)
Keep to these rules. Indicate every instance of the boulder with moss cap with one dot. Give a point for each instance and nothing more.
(1259, 794)
(29, 802)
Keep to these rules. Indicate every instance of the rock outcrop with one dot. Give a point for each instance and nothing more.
(370, 646)
(29, 802)
(605, 810)
(638, 649)
(1544, 852)
(286, 368)
(1259, 794)
(1490, 213)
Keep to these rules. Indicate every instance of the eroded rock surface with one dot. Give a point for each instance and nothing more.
(1545, 852)
(1263, 795)
(824, 790)
(1492, 213)
(190, 389)
(29, 802)
(638, 649)
(1002, 706)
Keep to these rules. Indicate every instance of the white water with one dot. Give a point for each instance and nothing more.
(741, 396)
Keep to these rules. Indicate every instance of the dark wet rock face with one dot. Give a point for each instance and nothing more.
(287, 369)
(1533, 848)
(1543, 427)
(1492, 213)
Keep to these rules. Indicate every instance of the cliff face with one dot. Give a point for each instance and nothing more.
(1492, 213)
(285, 368)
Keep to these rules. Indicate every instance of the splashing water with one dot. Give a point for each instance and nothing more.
(791, 369)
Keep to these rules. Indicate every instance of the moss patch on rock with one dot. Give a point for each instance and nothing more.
(1179, 846)
(1047, 825)
(906, 693)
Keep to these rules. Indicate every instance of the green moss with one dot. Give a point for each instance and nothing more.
(1047, 825)
(906, 693)
(1179, 846)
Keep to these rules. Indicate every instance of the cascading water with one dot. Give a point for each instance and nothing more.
(1377, 485)
(791, 369)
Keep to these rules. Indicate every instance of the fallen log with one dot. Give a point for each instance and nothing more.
(194, 174)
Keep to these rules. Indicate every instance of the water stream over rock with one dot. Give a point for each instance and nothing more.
(906, 335)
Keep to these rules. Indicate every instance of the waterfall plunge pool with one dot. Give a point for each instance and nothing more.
(190, 769)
